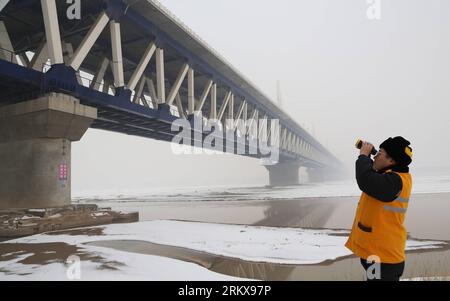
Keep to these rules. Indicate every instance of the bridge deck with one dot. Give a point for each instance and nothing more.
(140, 23)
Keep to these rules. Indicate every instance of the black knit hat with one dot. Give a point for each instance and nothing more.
(398, 148)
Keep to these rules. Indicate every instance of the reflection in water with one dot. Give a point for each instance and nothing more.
(307, 213)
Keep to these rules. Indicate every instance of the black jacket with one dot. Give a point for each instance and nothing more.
(385, 187)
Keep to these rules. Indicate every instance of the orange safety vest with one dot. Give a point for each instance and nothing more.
(378, 227)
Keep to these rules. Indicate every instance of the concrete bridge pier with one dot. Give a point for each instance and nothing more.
(316, 175)
(35, 150)
(284, 174)
(322, 174)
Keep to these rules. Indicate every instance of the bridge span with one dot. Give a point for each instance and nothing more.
(127, 66)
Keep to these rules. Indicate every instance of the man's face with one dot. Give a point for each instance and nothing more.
(382, 160)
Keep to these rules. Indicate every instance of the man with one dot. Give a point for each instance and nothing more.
(378, 235)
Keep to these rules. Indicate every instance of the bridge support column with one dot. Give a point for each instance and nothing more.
(35, 150)
(284, 174)
(317, 175)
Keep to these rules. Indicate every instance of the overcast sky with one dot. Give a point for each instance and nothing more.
(341, 73)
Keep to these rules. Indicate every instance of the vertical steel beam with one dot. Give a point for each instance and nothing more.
(160, 77)
(229, 123)
(283, 138)
(293, 143)
(272, 137)
(289, 141)
(52, 31)
(213, 114)
(117, 59)
(286, 141)
(269, 137)
(191, 91)
(262, 130)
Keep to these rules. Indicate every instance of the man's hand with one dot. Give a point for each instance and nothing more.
(366, 149)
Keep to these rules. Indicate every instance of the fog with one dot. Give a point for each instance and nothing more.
(343, 76)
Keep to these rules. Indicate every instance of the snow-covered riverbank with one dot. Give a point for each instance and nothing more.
(44, 257)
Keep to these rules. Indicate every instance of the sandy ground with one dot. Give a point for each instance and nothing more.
(429, 264)
(427, 218)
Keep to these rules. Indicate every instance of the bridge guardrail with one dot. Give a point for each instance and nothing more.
(8, 55)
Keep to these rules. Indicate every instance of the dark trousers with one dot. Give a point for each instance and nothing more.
(389, 272)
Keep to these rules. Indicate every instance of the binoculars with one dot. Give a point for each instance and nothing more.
(359, 144)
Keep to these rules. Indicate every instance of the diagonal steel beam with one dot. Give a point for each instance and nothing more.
(100, 74)
(224, 105)
(89, 40)
(176, 86)
(204, 95)
(139, 71)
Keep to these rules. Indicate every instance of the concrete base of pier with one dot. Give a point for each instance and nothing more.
(316, 175)
(284, 174)
(35, 150)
